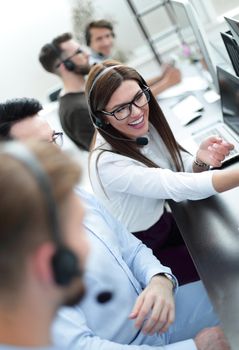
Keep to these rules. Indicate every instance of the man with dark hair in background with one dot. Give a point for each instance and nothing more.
(99, 36)
(68, 60)
(30, 290)
(19, 119)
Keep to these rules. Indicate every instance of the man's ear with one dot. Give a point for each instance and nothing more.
(42, 260)
(61, 69)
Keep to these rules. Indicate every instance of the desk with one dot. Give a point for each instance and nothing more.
(210, 228)
(211, 115)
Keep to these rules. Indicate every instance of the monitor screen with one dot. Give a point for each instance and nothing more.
(229, 91)
(193, 35)
(232, 49)
(234, 27)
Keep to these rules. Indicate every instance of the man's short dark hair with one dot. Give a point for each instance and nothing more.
(15, 110)
(102, 23)
(51, 52)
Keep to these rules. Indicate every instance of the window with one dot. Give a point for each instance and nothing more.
(222, 6)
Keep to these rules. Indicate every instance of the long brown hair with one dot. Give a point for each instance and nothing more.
(99, 89)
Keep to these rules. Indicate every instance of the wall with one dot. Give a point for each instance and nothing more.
(129, 38)
(25, 26)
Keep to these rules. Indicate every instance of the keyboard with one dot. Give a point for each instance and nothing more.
(215, 131)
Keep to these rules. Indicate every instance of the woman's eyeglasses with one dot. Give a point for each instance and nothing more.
(57, 138)
(124, 111)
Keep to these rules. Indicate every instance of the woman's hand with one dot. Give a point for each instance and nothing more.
(213, 151)
(156, 304)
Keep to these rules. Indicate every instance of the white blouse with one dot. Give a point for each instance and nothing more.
(134, 193)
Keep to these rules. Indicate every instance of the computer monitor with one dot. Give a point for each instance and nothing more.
(232, 49)
(234, 28)
(229, 91)
(192, 33)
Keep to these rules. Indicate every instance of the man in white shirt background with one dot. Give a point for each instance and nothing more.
(100, 37)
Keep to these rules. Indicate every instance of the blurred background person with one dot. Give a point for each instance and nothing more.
(66, 58)
(100, 37)
(20, 119)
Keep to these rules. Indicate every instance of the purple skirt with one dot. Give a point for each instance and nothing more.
(166, 242)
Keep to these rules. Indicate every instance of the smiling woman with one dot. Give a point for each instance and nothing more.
(129, 118)
(134, 179)
(124, 110)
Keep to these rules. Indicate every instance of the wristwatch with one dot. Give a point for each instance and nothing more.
(169, 277)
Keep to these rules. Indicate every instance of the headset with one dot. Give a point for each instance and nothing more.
(100, 123)
(69, 64)
(65, 264)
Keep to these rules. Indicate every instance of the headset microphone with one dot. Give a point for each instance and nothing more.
(104, 297)
(142, 141)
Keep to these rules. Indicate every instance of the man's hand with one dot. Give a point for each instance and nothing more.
(171, 75)
(211, 339)
(156, 303)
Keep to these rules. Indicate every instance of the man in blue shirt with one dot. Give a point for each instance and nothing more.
(141, 313)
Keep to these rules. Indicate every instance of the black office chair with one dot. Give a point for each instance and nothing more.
(53, 96)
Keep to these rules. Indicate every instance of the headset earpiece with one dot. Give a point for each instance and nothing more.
(69, 65)
(99, 123)
(65, 266)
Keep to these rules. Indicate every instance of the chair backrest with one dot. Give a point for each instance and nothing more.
(53, 96)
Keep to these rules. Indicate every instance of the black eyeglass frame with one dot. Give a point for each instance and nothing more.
(77, 52)
(145, 90)
(57, 136)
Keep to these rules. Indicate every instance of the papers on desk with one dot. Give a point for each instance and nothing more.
(187, 109)
(187, 84)
(211, 96)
